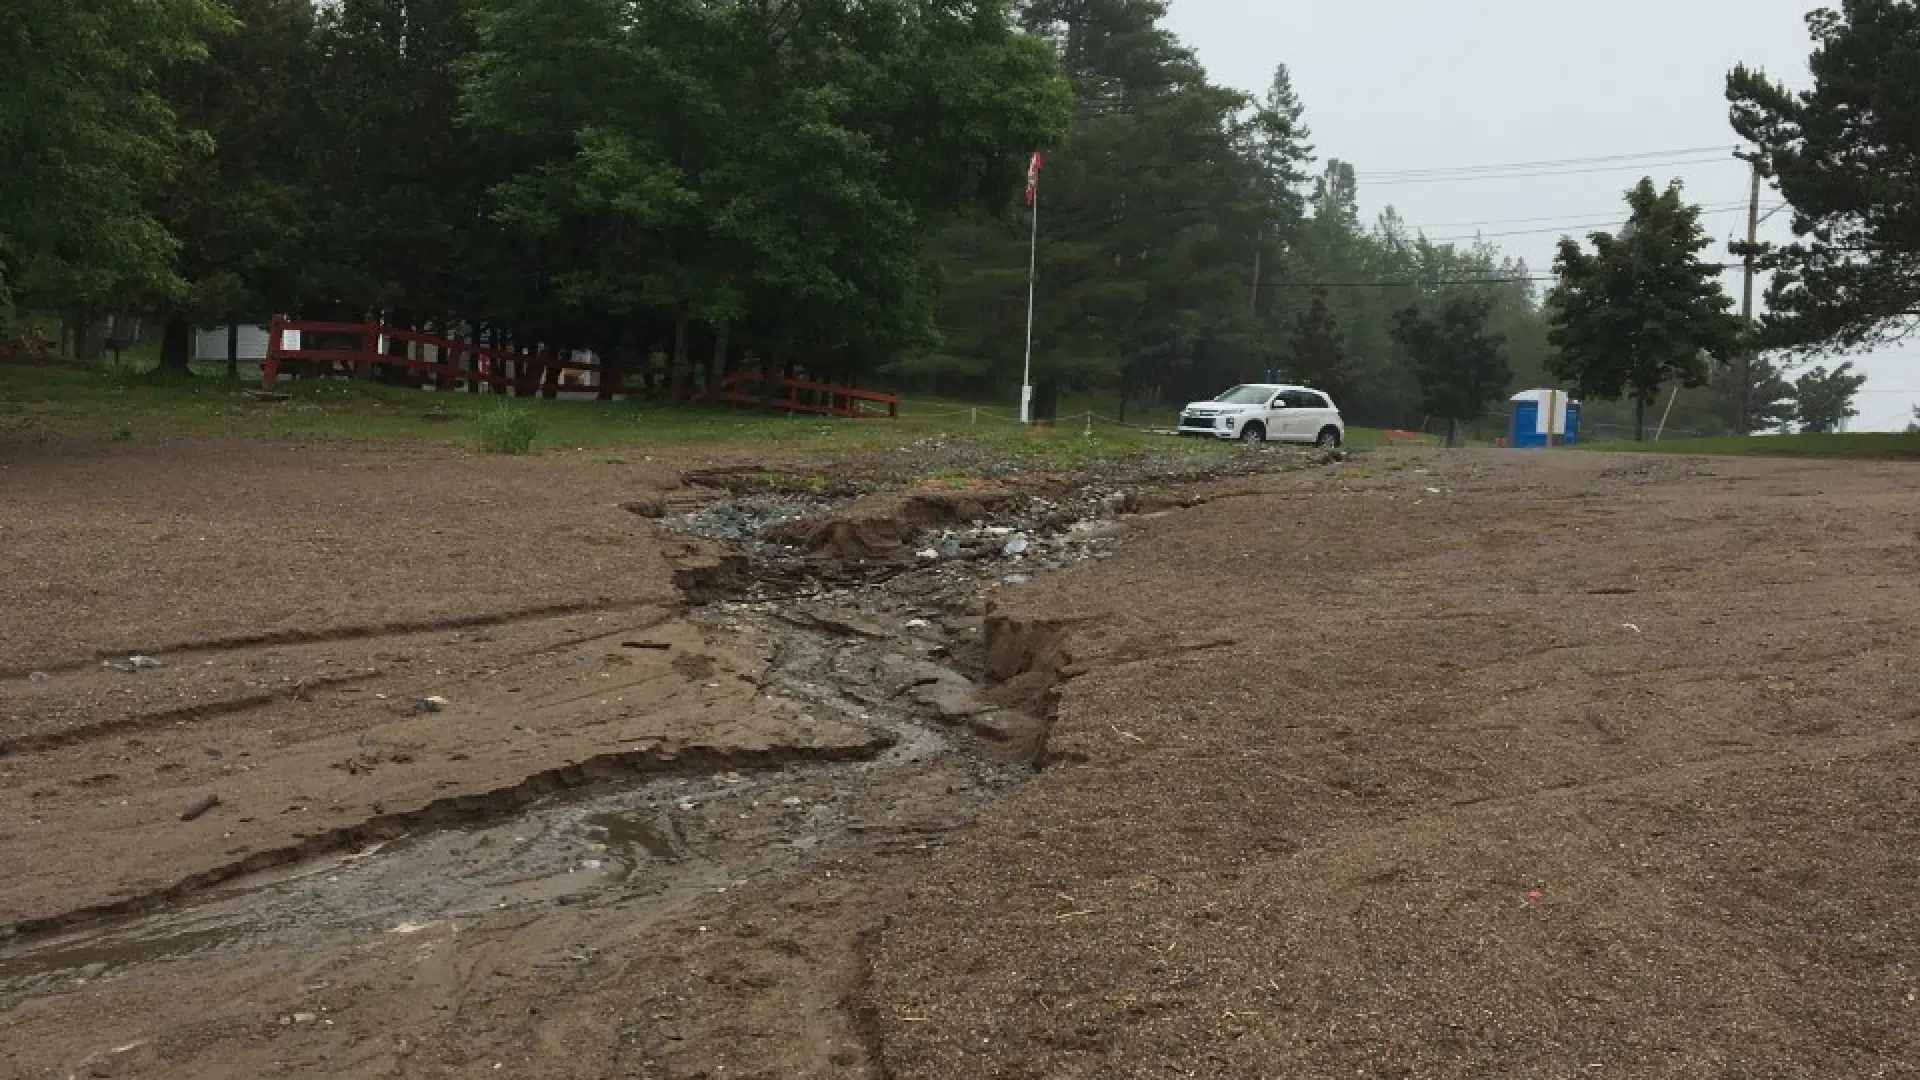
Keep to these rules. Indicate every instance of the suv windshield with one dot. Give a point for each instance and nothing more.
(1246, 395)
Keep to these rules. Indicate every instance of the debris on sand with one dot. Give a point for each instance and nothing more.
(201, 807)
(646, 506)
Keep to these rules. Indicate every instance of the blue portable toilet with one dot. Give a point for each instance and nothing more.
(1531, 410)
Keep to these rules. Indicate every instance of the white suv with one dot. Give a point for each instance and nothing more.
(1261, 411)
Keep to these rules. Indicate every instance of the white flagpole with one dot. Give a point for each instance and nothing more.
(1033, 274)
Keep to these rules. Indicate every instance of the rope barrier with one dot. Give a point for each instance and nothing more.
(975, 414)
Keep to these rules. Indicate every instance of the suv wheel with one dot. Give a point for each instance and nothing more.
(1329, 439)
(1254, 433)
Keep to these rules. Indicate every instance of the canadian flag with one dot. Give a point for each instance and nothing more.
(1033, 178)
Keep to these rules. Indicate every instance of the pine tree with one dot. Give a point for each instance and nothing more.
(1317, 351)
(1461, 366)
(239, 212)
(1823, 399)
(1763, 400)
(1846, 154)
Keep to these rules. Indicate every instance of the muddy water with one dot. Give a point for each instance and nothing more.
(634, 838)
(668, 838)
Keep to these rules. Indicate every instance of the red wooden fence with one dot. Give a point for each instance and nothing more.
(803, 396)
(459, 361)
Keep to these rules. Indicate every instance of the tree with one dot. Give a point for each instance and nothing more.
(1914, 428)
(1461, 367)
(84, 135)
(239, 211)
(399, 188)
(1846, 154)
(1641, 309)
(1762, 400)
(1153, 209)
(771, 174)
(1823, 400)
(1183, 231)
(1317, 351)
(1277, 144)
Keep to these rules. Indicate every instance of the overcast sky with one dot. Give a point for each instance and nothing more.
(1401, 85)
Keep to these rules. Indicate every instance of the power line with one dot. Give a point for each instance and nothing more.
(1553, 217)
(1377, 180)
(1603, 159)
(1401, 284)
(1562, 229)
(1528, 279)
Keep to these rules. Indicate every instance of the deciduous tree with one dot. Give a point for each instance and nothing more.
(1642, 309)
(84, 136)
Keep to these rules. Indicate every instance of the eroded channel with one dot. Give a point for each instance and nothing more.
(890, 644)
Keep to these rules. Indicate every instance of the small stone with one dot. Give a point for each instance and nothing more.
(144, 663)
(646, 506)
(304, 1018)
(1017, 579)
(38, 676)
(1016, 546)
(929, 554)
(430, 704)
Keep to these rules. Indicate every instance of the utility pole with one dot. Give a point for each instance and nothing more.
(1746, 300)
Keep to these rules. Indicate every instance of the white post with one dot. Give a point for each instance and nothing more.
(1662, 429)
(1033, 273)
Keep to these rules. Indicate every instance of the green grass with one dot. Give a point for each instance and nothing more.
(115, 404)
(1881, 445)
(506, 427)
